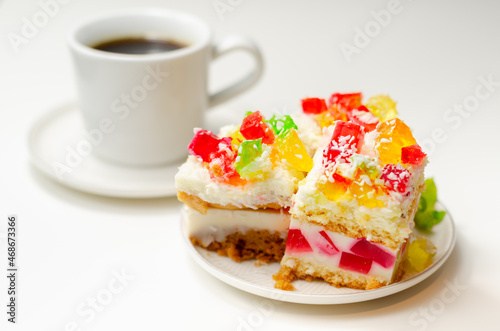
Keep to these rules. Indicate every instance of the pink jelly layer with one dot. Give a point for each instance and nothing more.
(314, 244)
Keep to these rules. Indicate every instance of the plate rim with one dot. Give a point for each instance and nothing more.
(37, 130)
(321, 299)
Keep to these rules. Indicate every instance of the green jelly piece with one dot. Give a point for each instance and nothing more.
(426, 216)
(249, 150)
(371, 171)
(281, 124)
(250, 171)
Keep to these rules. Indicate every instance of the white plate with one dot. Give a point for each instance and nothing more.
(54, 136)
(258, 279)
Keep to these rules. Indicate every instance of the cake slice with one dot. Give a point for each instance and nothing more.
(238, 186)
(352, 216)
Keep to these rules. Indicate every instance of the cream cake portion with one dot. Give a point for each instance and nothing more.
(314, 252)
(240, 234)
(199, 190)
(356, 196)
(362, 192)
(238, 186)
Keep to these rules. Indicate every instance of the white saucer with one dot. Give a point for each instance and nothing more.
(258, 280)
(57, 133)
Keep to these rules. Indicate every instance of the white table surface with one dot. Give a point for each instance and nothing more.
(429, 57)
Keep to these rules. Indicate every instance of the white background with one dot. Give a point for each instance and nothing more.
(429, 57)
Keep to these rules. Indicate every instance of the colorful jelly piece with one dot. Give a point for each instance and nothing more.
(412, 154)
(420, 254)
(363, 117)
(281, 124)
(395, 177)
(346, 101)
(327, 118)
(254, 127)
(366, 249)
(296, 242)
(366, 195)
(331, 153)
(336, 189)
(370, 169)
(248, 151)
(204, 143)
(356, 263)
(383, 107)
(326, 245)
(346, 140)
(313, 105)
(394, 135)
(291, 148)
(348, 134)
(237, 139)
(221, 164)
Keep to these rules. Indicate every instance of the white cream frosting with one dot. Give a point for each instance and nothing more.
(216, 224)
(278, 187)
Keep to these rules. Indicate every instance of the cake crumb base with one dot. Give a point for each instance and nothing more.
(259, 244)
(338, 278)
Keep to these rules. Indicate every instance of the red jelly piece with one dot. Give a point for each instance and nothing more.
(253, 127)
(296, 242)
(395, 177)
(340, 179)
(355, 263)
(313, 105)
(347, 134)
(363, 109)
(327, 247)
(368, 250)
(346, 139)
(330, 155)
(363, 117)
(204, 144)
(222, 161)
(412, 154)
(346, 101)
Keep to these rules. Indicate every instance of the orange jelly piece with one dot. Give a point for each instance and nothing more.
(293, 151)
(394, 135)
(366, 194)
(336, 190)
(325, 119)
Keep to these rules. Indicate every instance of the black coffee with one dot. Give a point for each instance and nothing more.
(139, 46)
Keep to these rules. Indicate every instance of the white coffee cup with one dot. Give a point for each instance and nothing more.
(145, 106)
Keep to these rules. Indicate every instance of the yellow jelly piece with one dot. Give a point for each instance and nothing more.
(237, 139)
(324, 119)
(333, 191)
(394, 135)
(420, 254)
(366, 194)
(293, 151)
(383, 107)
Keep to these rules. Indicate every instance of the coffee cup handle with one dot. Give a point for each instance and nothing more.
(230, 44)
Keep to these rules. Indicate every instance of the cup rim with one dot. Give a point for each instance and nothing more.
(89, 51)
